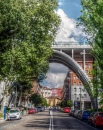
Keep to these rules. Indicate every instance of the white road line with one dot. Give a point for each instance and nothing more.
(51, 127)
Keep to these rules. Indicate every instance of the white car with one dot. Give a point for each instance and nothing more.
(14, 114)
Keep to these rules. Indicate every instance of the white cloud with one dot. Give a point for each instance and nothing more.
(56, 80)
(68, 30)
(55, 75)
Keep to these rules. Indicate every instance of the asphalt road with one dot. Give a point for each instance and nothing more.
(44, 121)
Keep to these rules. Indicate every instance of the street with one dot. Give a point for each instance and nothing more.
(43, 121)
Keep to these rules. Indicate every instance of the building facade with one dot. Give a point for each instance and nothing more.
(79, 95)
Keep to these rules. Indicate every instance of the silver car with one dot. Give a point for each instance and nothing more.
(14, 114)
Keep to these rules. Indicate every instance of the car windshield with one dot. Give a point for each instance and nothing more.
(14, 111)
(39, 107)
(86, 112)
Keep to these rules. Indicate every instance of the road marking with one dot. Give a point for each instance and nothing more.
(51, 127)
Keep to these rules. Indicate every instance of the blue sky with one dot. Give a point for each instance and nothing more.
(69, 11)
(71, 8)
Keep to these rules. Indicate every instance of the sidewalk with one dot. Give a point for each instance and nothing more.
(2, 120)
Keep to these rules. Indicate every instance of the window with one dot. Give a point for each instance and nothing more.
(85, 95)
(75, 89)
(74, 83)
(80, 83)
(89, 66)
(74, 77)
(83, 90)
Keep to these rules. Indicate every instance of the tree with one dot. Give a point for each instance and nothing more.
(44, 102)
(36, 99)
(69, 103)
(62, 104)
(27, 30)
(92, 20)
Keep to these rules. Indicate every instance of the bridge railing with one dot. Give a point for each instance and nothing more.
(70, 44)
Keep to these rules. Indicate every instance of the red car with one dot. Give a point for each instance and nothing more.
(97, 119)
(66, 109)
(31, 111)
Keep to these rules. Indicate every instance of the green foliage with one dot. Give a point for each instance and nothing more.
(1, 115)
(36, 99)
(66, 103)
(44, 102)
(27, 29)
(7, 110)
(92, 20)
(69, 103)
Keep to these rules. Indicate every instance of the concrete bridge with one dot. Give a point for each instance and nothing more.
(69, 55)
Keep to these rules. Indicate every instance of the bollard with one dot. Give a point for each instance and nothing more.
(4, 112)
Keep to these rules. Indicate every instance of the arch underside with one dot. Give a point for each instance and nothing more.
(60, 57)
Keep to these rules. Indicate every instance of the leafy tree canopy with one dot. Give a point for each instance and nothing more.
(44, 102)
(92, 20)
(27, 29)
(66, 103)
(36, 99)
(69, 103)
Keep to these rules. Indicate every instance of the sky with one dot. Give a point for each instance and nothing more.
(69, 11)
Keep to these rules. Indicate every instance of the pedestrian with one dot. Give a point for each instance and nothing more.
(50, 110)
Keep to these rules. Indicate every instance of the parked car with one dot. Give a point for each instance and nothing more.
(76, 113)
(31, 111)
(40, 108)
(97, 119)
(72, 112)
(84, 114)
(14, 114)
(66, 109)
(90, 117)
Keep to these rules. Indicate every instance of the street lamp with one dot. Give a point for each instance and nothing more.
(80, 99)
(75, 103)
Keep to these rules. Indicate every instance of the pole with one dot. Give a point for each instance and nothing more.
(16, 97)
(80, 100)
(75, 99)
(96, 91)
(84, 59)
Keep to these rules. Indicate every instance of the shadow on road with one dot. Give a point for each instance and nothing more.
(39, 123)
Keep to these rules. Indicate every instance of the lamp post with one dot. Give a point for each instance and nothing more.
(80, 99)
(16, 97)
(75, 103)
